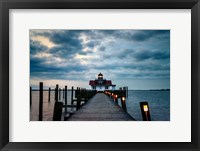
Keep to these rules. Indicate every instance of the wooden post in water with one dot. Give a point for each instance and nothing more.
(127, 92)
(65, 99)
(63, 93)
(59, 93)
(145, 111)
(56, 93)
(72, 102)
(41, 102)
(76, 92)
(57, 114)
(30, 96)
(49, 94)
(123, 102)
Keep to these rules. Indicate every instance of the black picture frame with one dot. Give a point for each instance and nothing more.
(5, 5)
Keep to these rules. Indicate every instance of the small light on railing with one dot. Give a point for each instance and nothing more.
(145, 108)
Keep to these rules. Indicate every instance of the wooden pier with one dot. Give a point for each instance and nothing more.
(100, 108)
(89, 105)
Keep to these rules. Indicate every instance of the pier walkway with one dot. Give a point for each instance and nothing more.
(100, 108)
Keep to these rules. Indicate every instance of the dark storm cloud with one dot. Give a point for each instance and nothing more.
(155, 55)
(147, 34)
(65, 51)
(102, 48)
(66, 37)
(139, 35)
(68, 43)
(36, 47)
(143, 75)
(143, 53)
(93, 43)
(140, 67)
(38, 67)
(140, 54)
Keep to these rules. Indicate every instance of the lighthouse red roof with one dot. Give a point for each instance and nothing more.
(109, 82)
(92, 82)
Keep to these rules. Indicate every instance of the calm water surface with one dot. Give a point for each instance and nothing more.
(159, 103)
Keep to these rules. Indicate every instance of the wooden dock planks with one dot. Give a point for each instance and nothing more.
(100, 108)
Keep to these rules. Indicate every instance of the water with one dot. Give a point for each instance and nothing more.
(48, 107)
(159, 103)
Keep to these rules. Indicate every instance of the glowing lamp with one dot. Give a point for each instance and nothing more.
(123, 98)
(145, 108)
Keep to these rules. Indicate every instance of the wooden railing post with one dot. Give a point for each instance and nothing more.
(123, 102)
(145, 111)
(116, 99)
(78, 103)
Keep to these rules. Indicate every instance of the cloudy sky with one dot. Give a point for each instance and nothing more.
(139, 59)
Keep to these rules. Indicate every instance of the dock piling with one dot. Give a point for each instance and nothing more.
(59, 93)
(56, 93)
(63, 93)
(127, 92)
(30, 96)
(72, 102)
(65, 99)
(57, 114)
(41, 102)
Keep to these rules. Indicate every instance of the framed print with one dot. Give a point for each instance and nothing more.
(99, 75)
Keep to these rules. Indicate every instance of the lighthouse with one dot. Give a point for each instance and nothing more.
(101, 84)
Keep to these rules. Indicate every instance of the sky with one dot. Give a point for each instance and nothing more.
(139, 59)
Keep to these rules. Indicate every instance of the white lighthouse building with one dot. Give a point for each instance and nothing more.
(101, 84)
